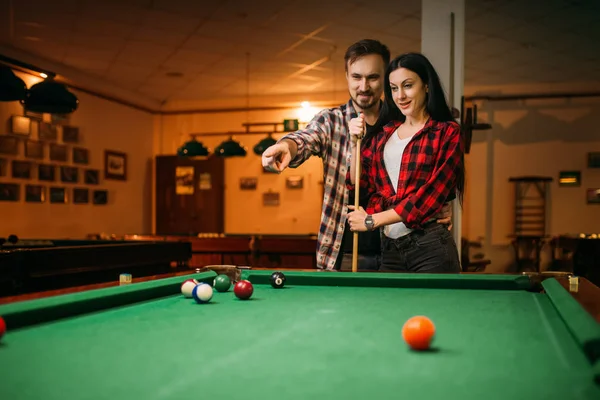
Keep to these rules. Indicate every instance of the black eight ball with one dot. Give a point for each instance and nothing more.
(277, 280)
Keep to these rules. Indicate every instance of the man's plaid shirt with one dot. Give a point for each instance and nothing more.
(428, 172)
(327, 136)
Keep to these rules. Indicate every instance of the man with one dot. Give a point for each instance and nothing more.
(327, 136)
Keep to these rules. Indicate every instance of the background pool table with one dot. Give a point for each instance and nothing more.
(43, 264)
(326, 335)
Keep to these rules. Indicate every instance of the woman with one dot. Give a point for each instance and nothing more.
(413, 167)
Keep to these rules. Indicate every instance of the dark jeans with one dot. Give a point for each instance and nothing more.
(431, 250)
(366, 262)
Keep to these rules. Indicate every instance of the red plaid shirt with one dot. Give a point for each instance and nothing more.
(427, 174)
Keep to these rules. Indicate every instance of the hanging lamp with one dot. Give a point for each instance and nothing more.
(193, 148)
(230, 148)
(50, 97)
(264, 144)
(12, 88)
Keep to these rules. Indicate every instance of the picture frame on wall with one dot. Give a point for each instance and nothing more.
(248, 183)
(10, 191)
(593, 196)
(115, 165)
(20, 125)
(294, 182)
(47, 172)
(47, 131)
(70, 134)
(81, 196)
(34, 149)
(91, 177)
(21, 169)
(58, 152)
(58, 195)
(81, 156)
(100, 197)
(3, 166)
(69, 174)
(594, 160)
(9, 145)
(35, 193)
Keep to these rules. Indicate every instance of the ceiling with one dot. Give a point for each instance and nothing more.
(179, 50)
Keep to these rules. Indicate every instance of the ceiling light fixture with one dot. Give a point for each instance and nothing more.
(230, 148)
(193, 148)
(50, 97)
(12, 88)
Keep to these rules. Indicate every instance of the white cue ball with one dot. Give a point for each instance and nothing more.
(202, 293)
(187, 287)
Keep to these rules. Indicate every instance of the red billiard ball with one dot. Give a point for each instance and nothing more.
(2, 327)
(418, 332)
(243, 289)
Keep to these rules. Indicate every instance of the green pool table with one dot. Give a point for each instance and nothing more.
(323, 336)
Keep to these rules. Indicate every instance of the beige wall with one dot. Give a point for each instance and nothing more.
(103, 125)
(530, 137)
(299, 210)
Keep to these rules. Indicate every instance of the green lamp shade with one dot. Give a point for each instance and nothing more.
(230, 148)
(193, 148)
(263, 145)
(50, 97)
(12, 88)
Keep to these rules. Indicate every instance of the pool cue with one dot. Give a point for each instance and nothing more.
(356, 204)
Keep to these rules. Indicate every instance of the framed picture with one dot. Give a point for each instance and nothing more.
(248, 183)
(34, 149)
(81, 196)
(58, 195)
(35, 193)
(271, 199)
(20, 125)
(21, 169)
(91, 176)
(100, 197)
(294, 182)
(9, 145)
(594, 160)
(70, 134)
(81, 156)
(115, 165)
(10, 191)
(593, 196)
(569, 178)
(47, 172)
(47, 131)
(69, 174)
(58, 152)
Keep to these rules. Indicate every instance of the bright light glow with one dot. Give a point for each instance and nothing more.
(305, 104)
(43, 75)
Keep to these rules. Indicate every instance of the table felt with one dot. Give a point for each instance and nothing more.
(301, 342)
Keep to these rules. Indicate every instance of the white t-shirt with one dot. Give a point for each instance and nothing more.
(392, 157)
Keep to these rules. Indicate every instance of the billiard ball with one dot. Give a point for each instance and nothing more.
(243, 289)
(418, 332)
(222, 283)
(2, 328)
(277, 280)
(202, 293)
(188, 286)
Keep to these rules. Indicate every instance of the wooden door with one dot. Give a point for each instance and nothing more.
(190, 195)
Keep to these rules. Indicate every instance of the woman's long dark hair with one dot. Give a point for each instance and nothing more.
(436, 106)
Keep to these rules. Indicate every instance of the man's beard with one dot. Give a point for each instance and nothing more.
(366, 106)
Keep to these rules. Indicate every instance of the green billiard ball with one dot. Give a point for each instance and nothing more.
(222, 283)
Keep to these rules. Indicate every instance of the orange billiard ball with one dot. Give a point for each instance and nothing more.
(418, 332)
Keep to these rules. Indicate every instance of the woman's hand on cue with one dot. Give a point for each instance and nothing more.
(357, 127)
(356, 219)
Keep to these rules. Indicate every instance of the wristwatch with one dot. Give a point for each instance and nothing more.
(369, 223)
